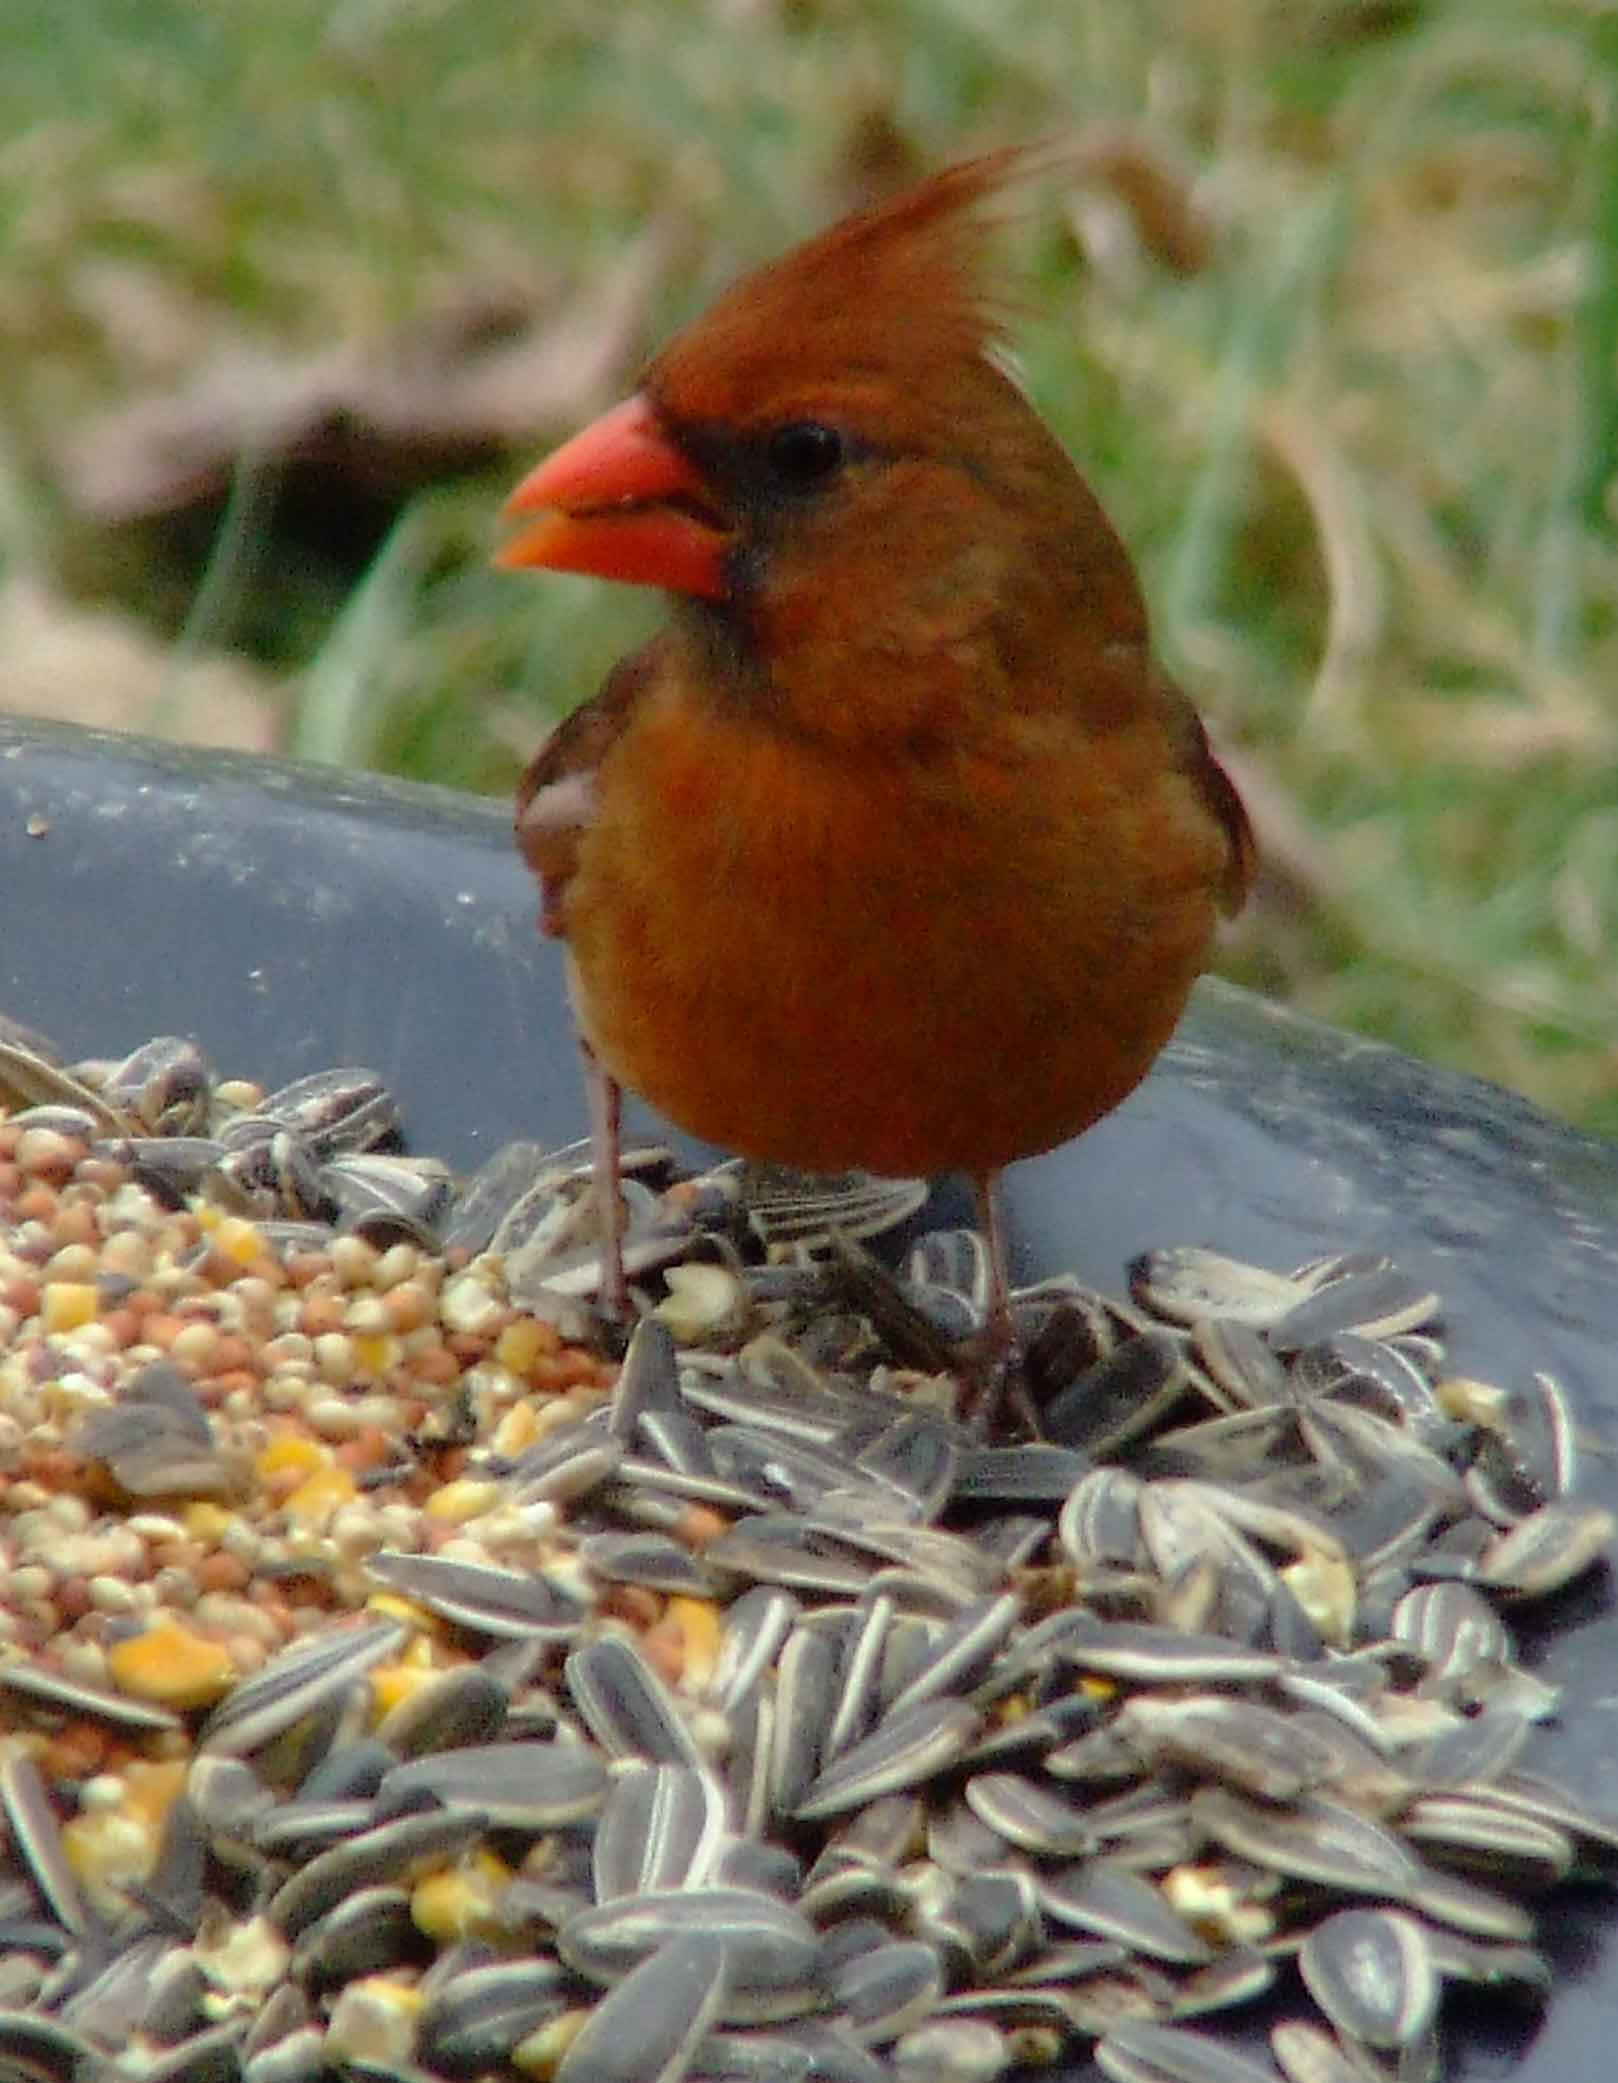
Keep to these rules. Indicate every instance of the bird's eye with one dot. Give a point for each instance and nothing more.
(805, 453)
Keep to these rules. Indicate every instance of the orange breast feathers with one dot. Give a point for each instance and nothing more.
(950, 964)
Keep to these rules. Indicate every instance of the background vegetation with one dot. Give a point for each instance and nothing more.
(290, 288)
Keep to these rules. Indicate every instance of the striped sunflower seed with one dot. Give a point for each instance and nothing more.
(649, 2028)
(1143, 2052)
(1371, 1972)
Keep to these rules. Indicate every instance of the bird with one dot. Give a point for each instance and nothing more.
(895, 849)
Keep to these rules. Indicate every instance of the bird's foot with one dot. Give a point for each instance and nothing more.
(995, 1394)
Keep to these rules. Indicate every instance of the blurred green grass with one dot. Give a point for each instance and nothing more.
(1328, 314)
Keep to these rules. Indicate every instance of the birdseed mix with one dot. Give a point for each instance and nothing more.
(395, 1685)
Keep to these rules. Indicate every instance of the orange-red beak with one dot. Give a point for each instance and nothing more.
(619, 501)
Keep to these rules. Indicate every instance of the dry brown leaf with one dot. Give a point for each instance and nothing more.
(1168, 217)
(453, 392)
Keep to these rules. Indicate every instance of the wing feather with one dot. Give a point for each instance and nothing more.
(556, 798)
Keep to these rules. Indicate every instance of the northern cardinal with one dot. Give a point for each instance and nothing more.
(894, 849)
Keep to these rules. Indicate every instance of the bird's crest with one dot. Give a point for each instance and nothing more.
(872, 296)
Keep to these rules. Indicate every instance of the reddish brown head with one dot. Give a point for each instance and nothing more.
(834, 462)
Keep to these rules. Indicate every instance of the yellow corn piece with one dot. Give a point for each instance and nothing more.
(172, 1666)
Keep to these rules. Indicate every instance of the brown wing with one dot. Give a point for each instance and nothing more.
(1218, 791)
(556, 797)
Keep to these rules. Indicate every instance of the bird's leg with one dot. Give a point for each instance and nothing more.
(1000, 1385)
(999, 1335)
(606, 1107)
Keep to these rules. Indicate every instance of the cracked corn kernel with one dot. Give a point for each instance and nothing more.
(171, 1666)
(392, 1684)
(393, 1605)
(205, 1521)
(151, 1788)
(375, 1354)
(289, 1450)
(112, 1844)
(516, 1429)
(238, 1240)
(521, 1343)
(469, 1497)
(247, 1956)
(703, 1303)
(699, 1627)
(1207, 1900)
(1324, 1586)
(462, 1901)
(540, 2055)
(109, 1852)
(468, 1306)
(325, 1492)
(375, 2020)
(67, 1305)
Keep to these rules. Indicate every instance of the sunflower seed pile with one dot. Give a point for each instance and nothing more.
(393, 1686)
